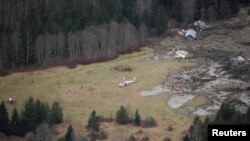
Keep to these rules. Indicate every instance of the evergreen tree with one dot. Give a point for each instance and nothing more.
(137, 119)
(101, 12)
(129, 11)
(198, 131)
(197, 9)
(186, 138)
(42, 110)
(161, 20)
(146, 18)
(15, 123)
(177, 10)
(114, 8)
(204, 129)
(69, 136)
(93, 123)
(247, 116)
(195, 130)
(234, 6)
(29, 117)
(4, 119)
(56, 114)
(237, 118)
(225, 114)
(122, 116)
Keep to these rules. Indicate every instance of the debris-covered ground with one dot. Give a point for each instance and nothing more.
(223, 52)
(213, 82)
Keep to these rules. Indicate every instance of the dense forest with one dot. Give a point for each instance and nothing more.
(33, 114)
(48, 32)
(227, 114)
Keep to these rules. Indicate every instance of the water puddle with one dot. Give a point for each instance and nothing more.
(176, 101)
(156, 90)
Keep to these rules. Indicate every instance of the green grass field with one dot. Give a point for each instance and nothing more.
(95, 87)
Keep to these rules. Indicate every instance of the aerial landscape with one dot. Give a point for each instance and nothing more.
(122, 70)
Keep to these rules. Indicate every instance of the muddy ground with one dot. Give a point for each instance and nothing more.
(220, 76)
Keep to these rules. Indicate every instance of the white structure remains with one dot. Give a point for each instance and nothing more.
(181, 54)
(190, 33)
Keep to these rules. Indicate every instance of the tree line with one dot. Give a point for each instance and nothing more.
(32, 115)
(48, 32)
(222, 8)
(122, 117)
(90, 44)
(35, 122)
(52, 31)
(227, 114)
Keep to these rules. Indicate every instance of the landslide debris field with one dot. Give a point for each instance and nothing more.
(223, 73)
(216, 69)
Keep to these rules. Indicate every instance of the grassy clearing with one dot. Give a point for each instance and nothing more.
(94, 86)
(197, 101)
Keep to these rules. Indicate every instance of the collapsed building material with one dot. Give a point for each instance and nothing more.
(182, 32)
(177, 87)
(181, 54)
(201, 25)
(191, 33)
(237, 59)
(240, 59)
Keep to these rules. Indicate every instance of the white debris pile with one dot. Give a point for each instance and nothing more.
(238, 59)
(201, 25)
(174, 54)
(182, 32)
(182, 54)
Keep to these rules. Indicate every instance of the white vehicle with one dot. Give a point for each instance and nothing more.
(125, 83)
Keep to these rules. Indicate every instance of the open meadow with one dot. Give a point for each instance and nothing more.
(95, 87)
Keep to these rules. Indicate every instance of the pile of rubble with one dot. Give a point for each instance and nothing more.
(211, 81)
(187, 79)
(182, 54)
(201, 25)
(192, 31)
(224, 75)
